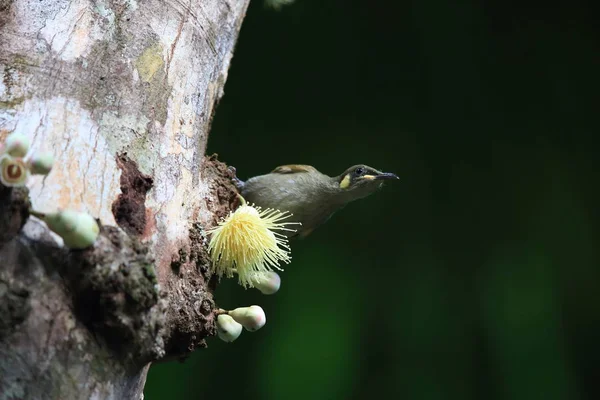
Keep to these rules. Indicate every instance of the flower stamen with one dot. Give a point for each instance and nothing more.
(245, 243)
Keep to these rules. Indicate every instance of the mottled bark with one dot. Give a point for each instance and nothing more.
(122, 92)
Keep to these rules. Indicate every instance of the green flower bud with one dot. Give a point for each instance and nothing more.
(17, 145)
(252, 318)
(13, 171)
(78, 230)
(267, 282)
(227, 329)
(41, 164)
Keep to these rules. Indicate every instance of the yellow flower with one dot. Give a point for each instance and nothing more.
(245, 243)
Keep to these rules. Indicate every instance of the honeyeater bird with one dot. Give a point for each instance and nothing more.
(312, 197)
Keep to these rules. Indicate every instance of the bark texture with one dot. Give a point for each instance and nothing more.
(122, 92)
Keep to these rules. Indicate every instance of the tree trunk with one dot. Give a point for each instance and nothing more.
(122, 92)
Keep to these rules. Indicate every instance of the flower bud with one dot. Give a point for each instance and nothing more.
(78, 230)
(227, 329)
(41, 164)
(17, 145)
(252, 318)
(13, 171)
(267, 282)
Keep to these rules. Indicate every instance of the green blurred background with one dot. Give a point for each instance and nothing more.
(476, 276)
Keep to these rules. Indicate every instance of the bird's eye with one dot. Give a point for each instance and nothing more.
(359, 171)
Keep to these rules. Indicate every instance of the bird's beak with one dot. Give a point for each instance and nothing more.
(386, 175)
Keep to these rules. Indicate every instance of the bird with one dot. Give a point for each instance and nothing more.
(309, 195)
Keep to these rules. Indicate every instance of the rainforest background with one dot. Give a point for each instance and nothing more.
(477, 275)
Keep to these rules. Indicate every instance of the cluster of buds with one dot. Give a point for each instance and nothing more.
(78, 230)
(16, 165)
(247, 243)
(230, 323)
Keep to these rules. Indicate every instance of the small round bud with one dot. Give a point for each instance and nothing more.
(13, 171)
(17, 144)
(227, 329)
(78, 230)
(252, 318)
(41, 164)
(267, 282)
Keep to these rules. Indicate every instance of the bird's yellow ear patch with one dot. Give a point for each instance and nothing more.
(345, 182)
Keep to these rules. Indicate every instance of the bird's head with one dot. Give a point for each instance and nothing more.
(361, 180)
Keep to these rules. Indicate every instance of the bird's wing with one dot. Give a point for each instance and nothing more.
(293, 168)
